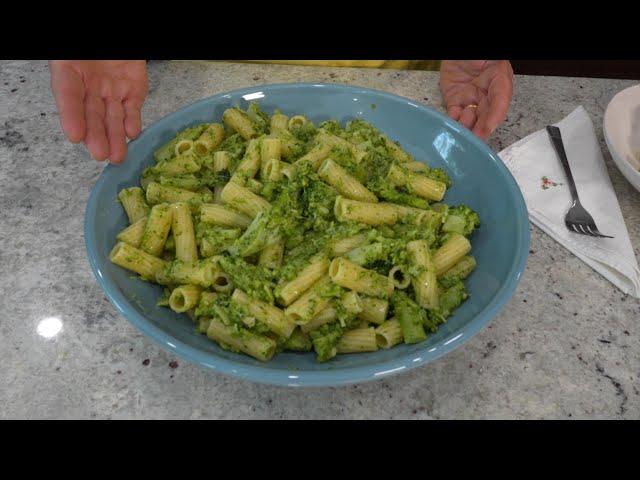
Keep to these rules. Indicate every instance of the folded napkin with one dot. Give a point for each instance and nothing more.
(537, 169)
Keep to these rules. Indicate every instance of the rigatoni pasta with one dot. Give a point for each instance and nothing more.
(273, 233)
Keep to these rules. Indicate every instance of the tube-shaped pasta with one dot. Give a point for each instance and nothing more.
(297, 121)
(157, 229)
(221, 282)
(346, 184)
(289, 170)
(136, 260)
(327, 315)
(221, 161)
(423, 186)
(209, 140)
(243, 199)
(330, 139)
(187, 181)
(389, 334)
(204, 273)
(157, 193)
(271, 316)
(462, 269)
(309, 304)
(273, 170)
(374, 310)
(250, 163)
(183, 146)
(315, 156)
(167, 150)
(184, 163)
(257, 346)
(183, 233)
(184, 297)
(217, 194)
(425, 283)
(306, 278)
(145, 181)
(399, 278)
(254, 186)
(352, 276)
(240, 122)
(416, 166)
(344, 245)
(382, 213)
(170, 244)
(279, 122)
(271, 255)
(379, 213)
(270, 148)
(221, 215)
(134, 204)
(456, 247)
(351, 302)
(396, 152)
(358, 340)
(133, 233)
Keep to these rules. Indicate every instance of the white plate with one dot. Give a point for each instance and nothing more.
(622, 133)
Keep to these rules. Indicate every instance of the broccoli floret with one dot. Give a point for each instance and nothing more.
(236, 147)
(411, 317)
(331, 126)
(253, 279)
(305, 132)
(461, 219)
(325, 339)
(258, 117)
(449, 299)
(219, 238)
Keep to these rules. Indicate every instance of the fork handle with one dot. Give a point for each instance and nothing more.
(556, 139)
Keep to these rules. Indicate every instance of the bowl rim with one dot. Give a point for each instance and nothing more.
(626, 167)
(322, 378)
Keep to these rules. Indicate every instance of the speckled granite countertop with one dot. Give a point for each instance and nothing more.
(567, 345)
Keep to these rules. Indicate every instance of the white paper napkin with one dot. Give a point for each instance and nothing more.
(536, 167)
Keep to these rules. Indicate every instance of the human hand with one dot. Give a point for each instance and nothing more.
(99, 102)
(477, 93)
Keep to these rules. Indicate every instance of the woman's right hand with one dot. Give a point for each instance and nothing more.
(99, 102)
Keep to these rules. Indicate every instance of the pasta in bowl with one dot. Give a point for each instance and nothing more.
(295, 235)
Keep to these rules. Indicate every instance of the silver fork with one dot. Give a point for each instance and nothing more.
(577, 218)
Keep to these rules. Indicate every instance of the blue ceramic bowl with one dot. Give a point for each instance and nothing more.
(480, 180)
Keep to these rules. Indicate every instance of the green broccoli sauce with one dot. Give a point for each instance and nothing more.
(302, 217)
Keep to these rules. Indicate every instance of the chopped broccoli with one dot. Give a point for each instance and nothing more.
(254, 280)
(461, 219)
(449, 299)
(325, 340)
(305, 133)
(236, 147)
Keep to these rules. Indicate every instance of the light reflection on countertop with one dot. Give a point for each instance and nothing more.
(49, 327)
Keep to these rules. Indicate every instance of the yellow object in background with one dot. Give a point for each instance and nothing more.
(394, 64)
